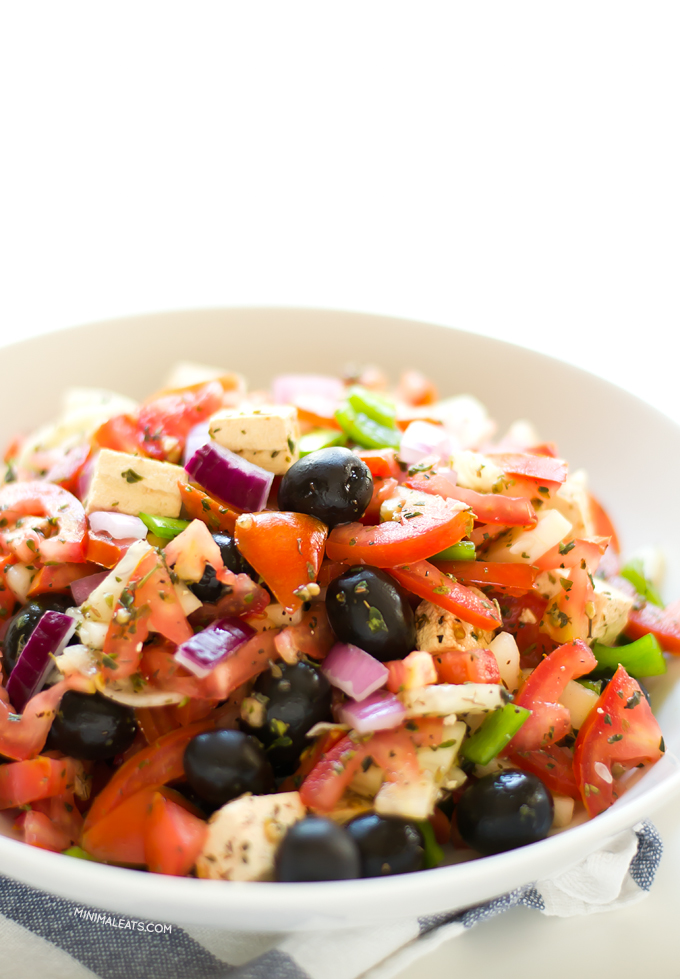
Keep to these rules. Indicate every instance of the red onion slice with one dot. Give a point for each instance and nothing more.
(354, 671)
(83, 587)
(424, 439)
(286, 388)
(227, 476)
(53, 631)
(207, 649)
(379, 712)
(119, 525)
(199, 435)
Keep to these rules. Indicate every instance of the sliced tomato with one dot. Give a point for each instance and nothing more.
(58, 578)
(150, 768)
(517, 578)
(554, 765)
(566, 616)
(67, 466)
(329, 571)
(309, 758)
(120, 434)
(62, 510)
(543, 469)
(417, 534)
(25, 737)
(664, 623)
(102, 549)
(172, 416)
(467, 666)
(578, 553)
(621, 730)
(118, 837)
(382, 462)
(286, 549)
(191, 550)
(540, 692)
(441, 826)
(603, 523)
(428, 582)
(413, 671)
(63, 814)
(37, 829)
(148, 603)
(416, 389)
(7, 599)
(173, 837)
(522, 616)
(22, 782)
(383, 489)
(325, 784)
(490, 508)
(312, 636)
(247, 662)
(316, 410)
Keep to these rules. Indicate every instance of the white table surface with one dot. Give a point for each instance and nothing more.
(507, 169)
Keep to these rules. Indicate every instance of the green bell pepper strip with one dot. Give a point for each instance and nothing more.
(379, 408)
(498, 728)
(164, 527)
(594, 685)
(320, 438)
(464, 550)
(643, 657)
(432, 852)
(633, 573)
(366, 432)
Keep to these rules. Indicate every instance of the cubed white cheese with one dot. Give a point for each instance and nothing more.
(612, 608)
(268, 436)
(132, 484)
(243, 836)
(439, 630)
(563, 811)
(367, 783)
(442, 699)
(527, 546)
(504, 647)
(440, 760)
(411, 800)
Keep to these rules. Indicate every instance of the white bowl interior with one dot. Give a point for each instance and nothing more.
(631, 452)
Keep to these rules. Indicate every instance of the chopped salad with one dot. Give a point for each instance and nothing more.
(312, 633)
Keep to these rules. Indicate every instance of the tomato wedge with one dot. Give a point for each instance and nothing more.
(286, 549)
(428, 582)
(542, 469)
(417, 534)
(200, 506)
(312, 636)
(603, 524)
(573, 554)
(383, 489)
(173, 837)
(540, 692)
(61, 508)
(382, 462)
(554, 765)
(22, 782)
(620, 730)
(664, 623)
(104, 550)
(491, 508)
(518, 578)
(118, 837)
(58, 578)
(25, 737)
(467, 666)
(37, 829)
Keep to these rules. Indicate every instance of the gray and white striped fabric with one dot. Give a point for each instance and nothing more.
(51, 938)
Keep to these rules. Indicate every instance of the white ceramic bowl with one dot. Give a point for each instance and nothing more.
(631, 452)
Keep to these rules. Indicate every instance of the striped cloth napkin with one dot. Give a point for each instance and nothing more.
(51, 938)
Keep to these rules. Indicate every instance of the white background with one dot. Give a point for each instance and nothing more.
(511, 169)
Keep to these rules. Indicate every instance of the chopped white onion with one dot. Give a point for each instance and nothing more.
(121, 526)
(379, 712)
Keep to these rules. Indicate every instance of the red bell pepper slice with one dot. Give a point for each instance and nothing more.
(428, 582)
(200, 506)
(516, 577)
(664, 623)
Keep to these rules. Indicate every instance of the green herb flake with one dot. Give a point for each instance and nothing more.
(131, 476)
(376, 622)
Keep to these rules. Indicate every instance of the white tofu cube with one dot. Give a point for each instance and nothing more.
(268, 435)
(243, 836)
(132, 484)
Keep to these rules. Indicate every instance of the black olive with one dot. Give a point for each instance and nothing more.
(221, 765)
(368, 608)
(24, 622)
(333, 485)
(209, 589)
(504, 810)
(317, 849)
(296, 700)
(91, 727)
(387, 844)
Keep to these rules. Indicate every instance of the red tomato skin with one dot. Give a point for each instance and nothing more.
(416, 389)
(383, 489)
(285, 548)
(118, 837)
(22, 782)
(38, 830)
(620, 728)
(488, 507)
(662, 623)
(533, 644)
(554, 765)
(603, 523)
(58, 578)
(441, 826)
(312, 636)
(173, 837)
(200, 506)
(24, 739)
(467, 666)
(325, 784)
(394, 542)
(382, 463)
(543, 469)
(516, 578)
(549, 720)
(172, 416)
(428, 582)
